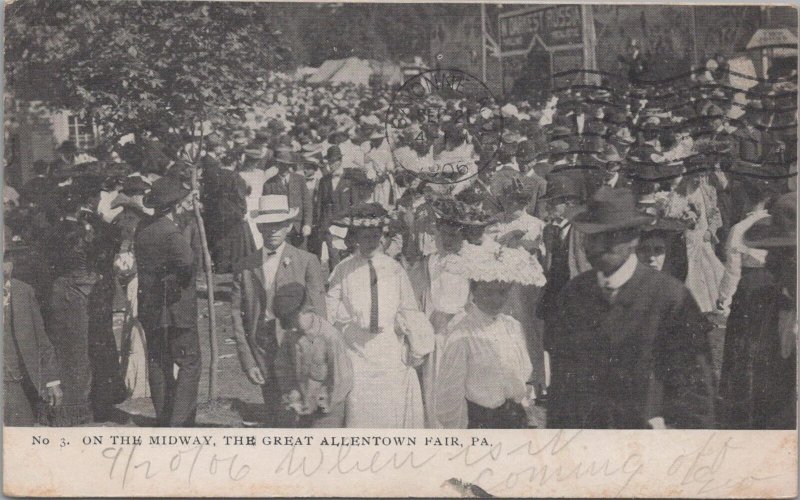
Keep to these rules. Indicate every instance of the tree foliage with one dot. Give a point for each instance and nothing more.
(143, 66)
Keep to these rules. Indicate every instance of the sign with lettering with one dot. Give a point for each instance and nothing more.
(771, 38)
(554, 26)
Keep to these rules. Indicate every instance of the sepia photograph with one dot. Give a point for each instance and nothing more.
(273, 215)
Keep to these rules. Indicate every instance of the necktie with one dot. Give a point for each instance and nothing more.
(373, 289)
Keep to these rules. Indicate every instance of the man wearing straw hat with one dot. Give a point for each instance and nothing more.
(293, 186)
(262, 342)
(629, 346)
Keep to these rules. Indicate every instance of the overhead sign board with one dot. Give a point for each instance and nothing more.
(553, 26)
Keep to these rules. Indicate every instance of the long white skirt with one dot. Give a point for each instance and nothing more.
(704, 273)
(384, 398)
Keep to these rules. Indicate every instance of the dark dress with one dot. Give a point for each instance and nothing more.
(224, 200)
(757, 386)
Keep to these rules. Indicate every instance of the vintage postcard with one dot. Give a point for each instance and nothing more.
(399, 249)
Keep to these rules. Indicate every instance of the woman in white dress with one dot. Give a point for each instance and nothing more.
(367, 291)
(694, 200)
(481, 382)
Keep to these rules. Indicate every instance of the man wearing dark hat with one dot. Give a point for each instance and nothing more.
(564, 257)
(293, 185)
(31, 372)
(758, 381)
(168, 305)
(628, 344)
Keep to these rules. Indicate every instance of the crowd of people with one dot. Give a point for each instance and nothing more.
(577, 264)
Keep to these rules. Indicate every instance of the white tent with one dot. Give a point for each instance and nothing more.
(356, 71)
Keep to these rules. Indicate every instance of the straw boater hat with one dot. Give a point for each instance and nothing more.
(491, 261)
(364, 215)
(777, 230)
(273, 208)
(610, 209)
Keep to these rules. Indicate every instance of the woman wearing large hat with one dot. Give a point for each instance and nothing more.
(481, 380)
(368, 293)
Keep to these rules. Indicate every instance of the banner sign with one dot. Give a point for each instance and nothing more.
(554, 26)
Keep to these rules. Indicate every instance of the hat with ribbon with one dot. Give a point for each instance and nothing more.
(777, 230)
(452, 211)
(285, 156)
(610, 209)
(364, 215)
(273, 208)
(165, 193)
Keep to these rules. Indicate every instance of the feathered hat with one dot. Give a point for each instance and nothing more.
(491, 261)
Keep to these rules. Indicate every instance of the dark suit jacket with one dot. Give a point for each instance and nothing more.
(644, 355)
(256, 345)
(38, 355)
(164, 257)
(297, 192)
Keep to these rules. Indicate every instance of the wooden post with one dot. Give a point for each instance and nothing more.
(207, 266)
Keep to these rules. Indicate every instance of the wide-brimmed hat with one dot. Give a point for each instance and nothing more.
(452, 211)
(491, 261)
(667, 224)
(165, 192)
(608, 155)
(363, 215)
(610, 209)
(562, 185)
(135, 184)
(777, 230)
(273, 208)
(285, 156)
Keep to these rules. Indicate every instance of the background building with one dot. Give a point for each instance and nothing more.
(537, 41)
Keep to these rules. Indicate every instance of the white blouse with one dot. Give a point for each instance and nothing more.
(485, 361)
(449, 291)
(349, 304)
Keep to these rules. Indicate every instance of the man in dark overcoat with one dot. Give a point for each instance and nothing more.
(265, 347)
(629, 347)
(30, 368)
(168, 305)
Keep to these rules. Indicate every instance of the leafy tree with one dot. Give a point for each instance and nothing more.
(145, 67)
